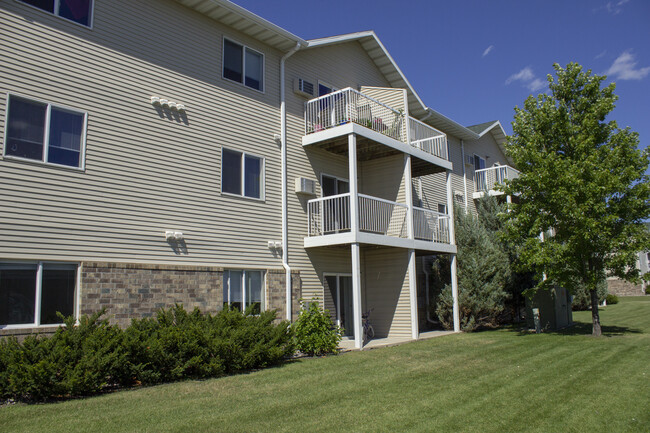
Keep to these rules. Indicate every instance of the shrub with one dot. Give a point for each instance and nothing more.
(611, 299)
(315, 334)
(582, 296)
(93, 355)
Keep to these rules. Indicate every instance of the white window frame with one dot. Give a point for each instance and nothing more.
(325, 84)
(46, 133)
(480, 158)
(242, 180)
(243, 286)
(244, 48)
(56, 10)
(38, 295)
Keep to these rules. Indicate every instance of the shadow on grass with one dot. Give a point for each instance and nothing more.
(578, 328)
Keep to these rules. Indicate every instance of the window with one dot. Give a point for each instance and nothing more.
(242, 174)
(325, 89)
(44, 132)
(442, 208)
(242, 290)
(31, 294)
(243, 65)
(79, 11)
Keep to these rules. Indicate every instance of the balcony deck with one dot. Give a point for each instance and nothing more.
(381, 222)
(486, 179)
(381, 130)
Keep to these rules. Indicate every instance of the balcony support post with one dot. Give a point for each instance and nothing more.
(355, 247)
(452, 241)
(413, 294)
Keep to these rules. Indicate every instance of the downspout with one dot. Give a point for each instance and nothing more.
(283, 138)
(462, 150)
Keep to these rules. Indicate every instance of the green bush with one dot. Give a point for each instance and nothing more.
(93, 355)
(77, 360)
(582, 297)
(611, 299)
(315, 334)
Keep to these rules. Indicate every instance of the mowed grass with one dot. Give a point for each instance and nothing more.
(494, 381)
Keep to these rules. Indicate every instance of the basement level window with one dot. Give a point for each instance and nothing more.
(243, 290)
(31, 294)
(243, 65)
(79, 11)
(40, 131)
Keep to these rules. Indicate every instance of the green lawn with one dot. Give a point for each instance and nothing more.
(496, 381)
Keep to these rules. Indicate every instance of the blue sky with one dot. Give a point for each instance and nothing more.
(474, 61)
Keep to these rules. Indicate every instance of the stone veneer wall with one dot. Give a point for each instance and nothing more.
(131, 290)
(619, 287)
(276, 293)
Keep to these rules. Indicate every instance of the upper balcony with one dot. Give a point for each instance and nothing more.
(486, 179)
(380, 222)
(381, 129)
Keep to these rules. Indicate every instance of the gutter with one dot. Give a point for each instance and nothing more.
(283, 138)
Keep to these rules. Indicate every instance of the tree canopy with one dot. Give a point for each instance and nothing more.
(582, 183)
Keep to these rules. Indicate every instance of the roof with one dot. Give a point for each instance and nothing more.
(246, 22)
(498, 133)
(481, 127)
(380, 56)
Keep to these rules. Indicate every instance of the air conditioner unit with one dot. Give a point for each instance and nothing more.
(305, 186)
(303, 88)
(469, 159)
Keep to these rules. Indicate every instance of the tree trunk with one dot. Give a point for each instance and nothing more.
(596, 331)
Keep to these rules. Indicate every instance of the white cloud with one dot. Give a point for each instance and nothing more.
(527, 79)
(613, 7)
(600, 55)
(487, 50)
(624, 66)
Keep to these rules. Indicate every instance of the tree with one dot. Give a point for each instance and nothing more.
(582, 182)
(483, 271)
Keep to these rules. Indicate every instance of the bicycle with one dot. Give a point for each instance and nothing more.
(368, 330)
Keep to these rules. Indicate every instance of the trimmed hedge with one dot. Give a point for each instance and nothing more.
(93, 355)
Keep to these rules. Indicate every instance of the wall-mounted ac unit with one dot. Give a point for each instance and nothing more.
(305, 186)
(303, 88)
(469, 159)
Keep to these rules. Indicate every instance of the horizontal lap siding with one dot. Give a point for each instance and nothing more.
(147, 170)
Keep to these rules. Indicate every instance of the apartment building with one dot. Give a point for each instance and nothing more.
(161, 152)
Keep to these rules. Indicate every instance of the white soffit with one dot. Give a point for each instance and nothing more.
(246, 22)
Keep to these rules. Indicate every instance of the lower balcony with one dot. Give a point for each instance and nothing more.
(381, 222)
(486, 179)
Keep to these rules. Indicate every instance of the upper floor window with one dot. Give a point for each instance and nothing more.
(44, 132)
(242, 174)
(243, 65)
(31, 294)
(79, 11)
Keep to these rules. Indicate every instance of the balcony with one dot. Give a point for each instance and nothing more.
(381, 222)
(330, 118)
(486, 179)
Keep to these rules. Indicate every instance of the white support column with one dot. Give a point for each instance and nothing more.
(452, 241)
(356, 253)
(413, 295)
(409, 194)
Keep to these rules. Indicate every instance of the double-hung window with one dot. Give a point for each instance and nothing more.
(242, 174)
(244, 290)
(79, 11)
(31, 294)
(243, 65)
(44, 132)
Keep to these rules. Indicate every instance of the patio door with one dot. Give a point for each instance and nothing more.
(340, 286)
(336, 212)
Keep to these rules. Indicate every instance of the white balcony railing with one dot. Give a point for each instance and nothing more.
(486, 178)
(349, 105)
(329, 215)
(431, 226)
(428, 139)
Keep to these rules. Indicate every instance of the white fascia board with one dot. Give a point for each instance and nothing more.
(353, 128)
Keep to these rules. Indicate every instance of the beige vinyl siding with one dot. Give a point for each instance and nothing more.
(341, 65)
(394, 98)
(386, 288)
(147, 170)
